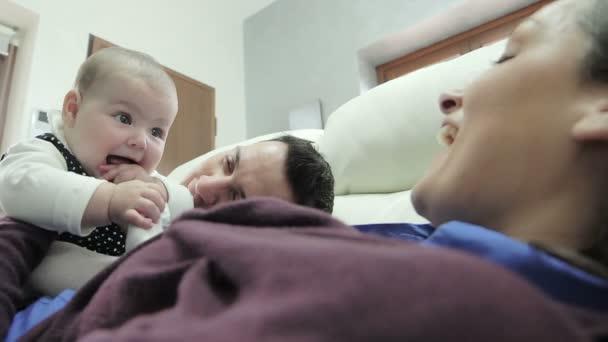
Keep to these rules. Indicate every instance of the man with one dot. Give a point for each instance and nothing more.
(287, 167)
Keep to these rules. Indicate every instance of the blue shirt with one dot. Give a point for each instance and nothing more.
(555, 277)
(36, 313)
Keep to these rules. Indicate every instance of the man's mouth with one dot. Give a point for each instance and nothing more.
(118, 160)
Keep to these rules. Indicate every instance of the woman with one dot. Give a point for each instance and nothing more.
(530, 139)
(527, 162)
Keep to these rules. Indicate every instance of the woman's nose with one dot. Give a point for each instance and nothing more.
(450, 101)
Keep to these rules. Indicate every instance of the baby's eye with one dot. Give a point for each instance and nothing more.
(158, 132)
(124, 118)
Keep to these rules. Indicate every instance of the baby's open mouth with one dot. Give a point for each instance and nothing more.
(118, 160)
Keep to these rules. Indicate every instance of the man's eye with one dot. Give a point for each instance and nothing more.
(124, 118)
(157, 132)
(503, 59)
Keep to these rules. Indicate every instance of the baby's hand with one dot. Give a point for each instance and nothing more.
(126, 172)
(136, 202)
(120, 173)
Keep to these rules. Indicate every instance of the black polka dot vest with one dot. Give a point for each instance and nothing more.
(109, 239)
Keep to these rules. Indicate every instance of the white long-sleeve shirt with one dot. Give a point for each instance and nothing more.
(36, 187)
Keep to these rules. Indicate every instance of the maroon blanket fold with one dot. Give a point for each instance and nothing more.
(22, 247)
(265, 270)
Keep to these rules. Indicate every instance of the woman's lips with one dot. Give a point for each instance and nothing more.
(447, 133)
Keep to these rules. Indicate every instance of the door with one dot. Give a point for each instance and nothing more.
(194, 129)
(7, 64)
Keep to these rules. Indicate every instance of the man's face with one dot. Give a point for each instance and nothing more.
(510, 141)
(243, 172)
(120, 119)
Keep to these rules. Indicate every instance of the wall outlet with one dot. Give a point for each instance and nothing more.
(41, 121)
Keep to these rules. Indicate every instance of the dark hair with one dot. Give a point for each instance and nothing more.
(308, 174)
(594, 22)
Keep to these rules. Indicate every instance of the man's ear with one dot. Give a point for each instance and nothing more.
(71, 105)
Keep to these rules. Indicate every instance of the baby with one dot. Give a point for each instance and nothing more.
(113, 123)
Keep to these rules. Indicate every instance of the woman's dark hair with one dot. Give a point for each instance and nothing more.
(594, 22)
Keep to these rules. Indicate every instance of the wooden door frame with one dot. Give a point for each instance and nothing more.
(458, 44)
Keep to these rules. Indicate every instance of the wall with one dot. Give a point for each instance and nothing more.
(200, 38)
(297, 51)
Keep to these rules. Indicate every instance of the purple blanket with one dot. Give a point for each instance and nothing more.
(22, 247)
(264, 270)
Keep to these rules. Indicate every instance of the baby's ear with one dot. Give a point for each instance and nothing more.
(593, 125)
(71, 105)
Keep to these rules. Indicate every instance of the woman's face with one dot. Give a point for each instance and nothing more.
(513, 144)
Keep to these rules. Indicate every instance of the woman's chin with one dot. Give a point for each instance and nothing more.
(419, 198)
(433, 198)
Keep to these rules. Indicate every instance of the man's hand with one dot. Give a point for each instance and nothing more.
(136, 202)
(127, 172)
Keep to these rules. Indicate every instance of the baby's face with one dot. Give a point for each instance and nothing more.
(121, 119)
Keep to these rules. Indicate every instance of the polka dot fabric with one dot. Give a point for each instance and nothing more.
(109, 240)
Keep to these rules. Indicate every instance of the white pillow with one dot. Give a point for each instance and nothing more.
(182, 171)
(376, 208)
(383, 140)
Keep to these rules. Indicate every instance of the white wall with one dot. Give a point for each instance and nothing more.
(297, 51)
(199, 38)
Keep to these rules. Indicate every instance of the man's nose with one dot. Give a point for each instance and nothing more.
(213, 189)
(450, 101)
(138, 139)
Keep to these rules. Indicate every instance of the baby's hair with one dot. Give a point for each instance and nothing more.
(116, 59)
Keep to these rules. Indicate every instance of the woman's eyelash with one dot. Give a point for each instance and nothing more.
(502, 59)
(230, 163)
(227, 164)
